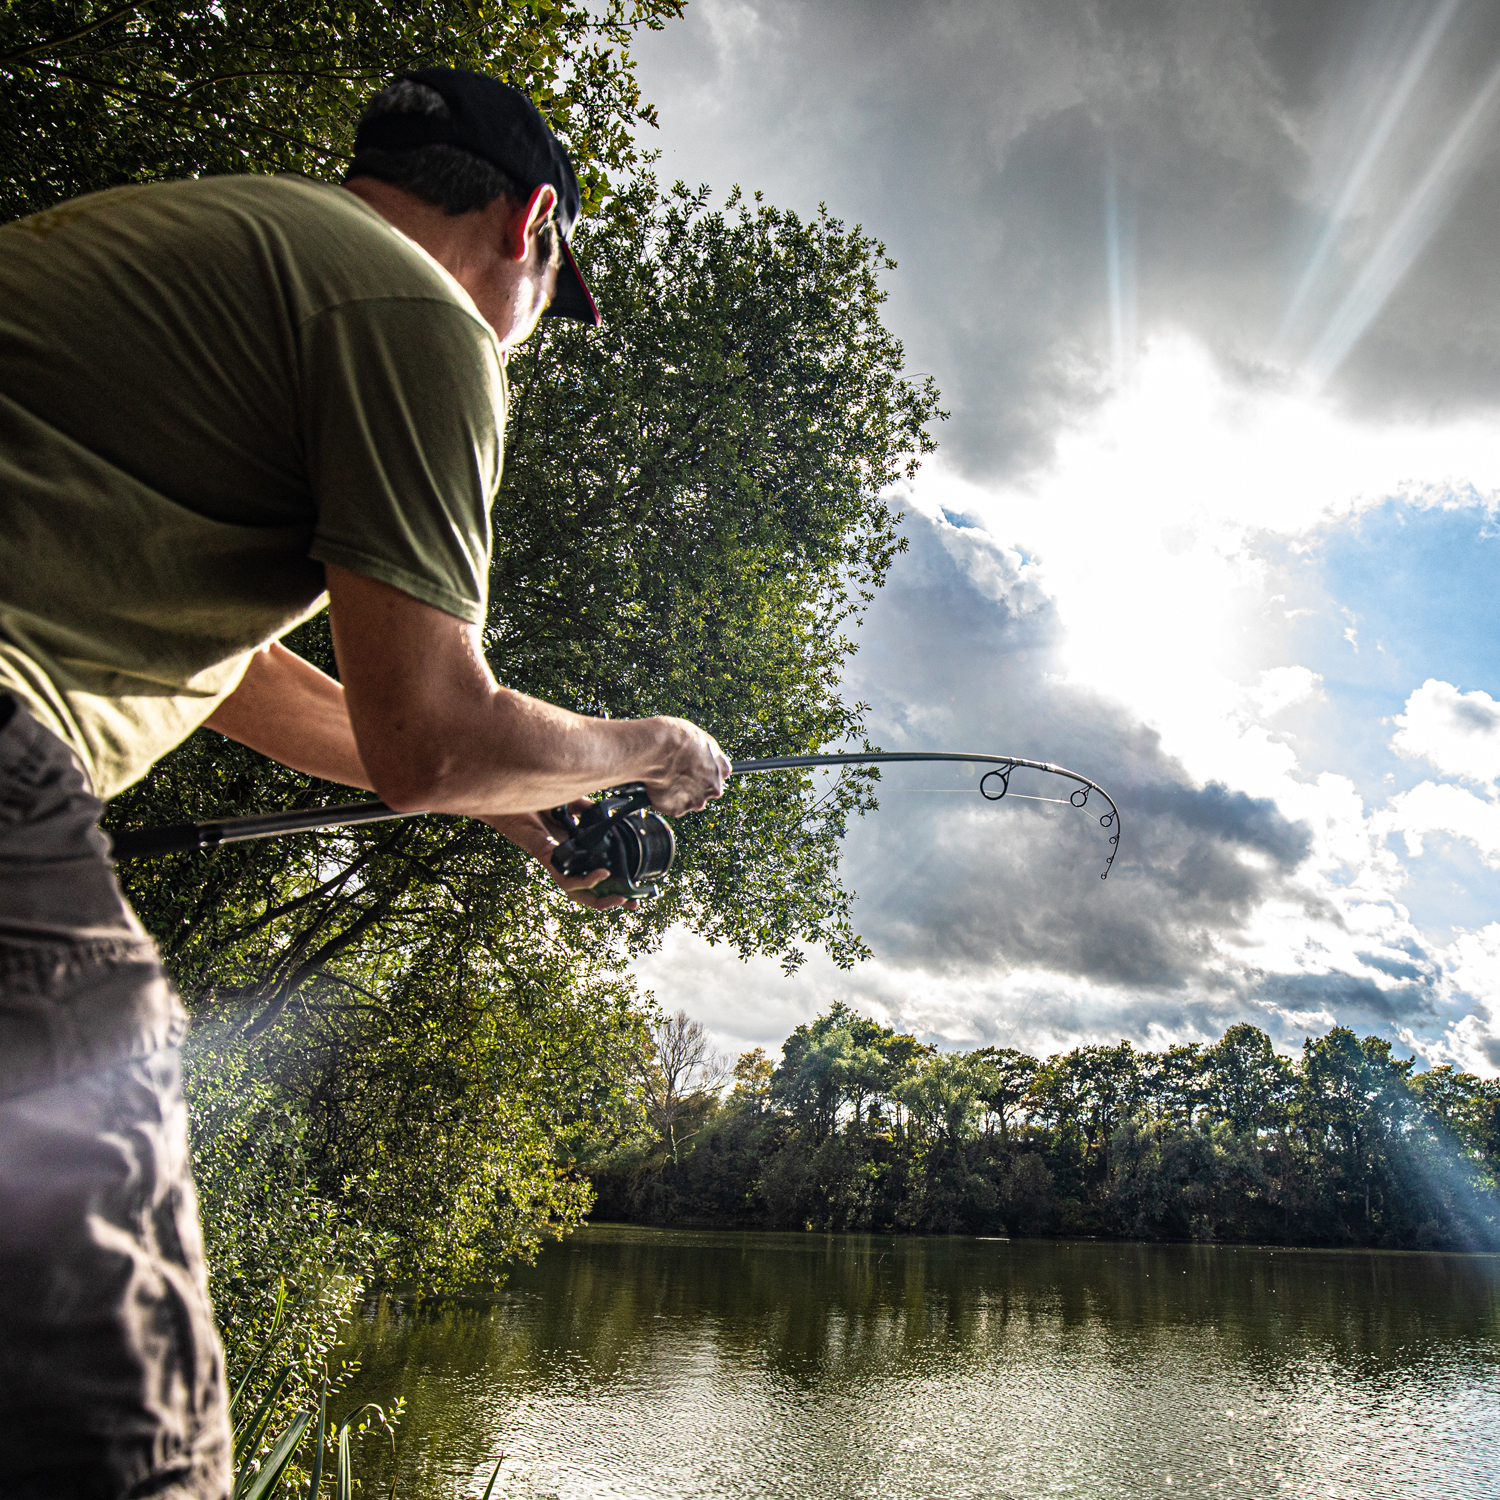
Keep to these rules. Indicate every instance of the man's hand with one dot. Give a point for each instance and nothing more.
(696, 769)
(539, 836)
(420, 720)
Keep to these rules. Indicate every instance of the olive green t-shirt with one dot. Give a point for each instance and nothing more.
(208, 390)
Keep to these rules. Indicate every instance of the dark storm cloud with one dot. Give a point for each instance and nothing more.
(958, 653)
(1349, 997)
(986, 142)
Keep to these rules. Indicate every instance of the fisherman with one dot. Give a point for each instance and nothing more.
(223, 403)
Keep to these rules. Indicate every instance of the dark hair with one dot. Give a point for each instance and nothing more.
(454, 180)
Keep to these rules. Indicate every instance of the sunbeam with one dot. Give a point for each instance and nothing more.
(1422, 213)
(1369, 154)
(1120, 268)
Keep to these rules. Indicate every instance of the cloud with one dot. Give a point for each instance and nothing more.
(1133, 238)
(959, 651)
(1429, 809)
(1057, 179)
(1457, 732)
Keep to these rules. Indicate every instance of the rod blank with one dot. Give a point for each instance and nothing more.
(183, 838)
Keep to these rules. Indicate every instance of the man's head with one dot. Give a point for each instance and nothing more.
(475, 152)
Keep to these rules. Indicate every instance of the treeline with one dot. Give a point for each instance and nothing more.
(862, 1128)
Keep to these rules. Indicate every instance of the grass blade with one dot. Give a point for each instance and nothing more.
(343, 1484)
(317, 1468)
(247, 1437)
(262, 1483)
(493, 1477)
(265, 1348)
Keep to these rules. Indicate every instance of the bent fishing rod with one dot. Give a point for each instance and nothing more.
(621, 831)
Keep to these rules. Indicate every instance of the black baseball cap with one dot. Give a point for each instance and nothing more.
(502, 126)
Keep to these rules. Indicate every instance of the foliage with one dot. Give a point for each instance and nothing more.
(95, 93)
(863, 1128)
(268, 1456)
(285, 1263)
(694, 515)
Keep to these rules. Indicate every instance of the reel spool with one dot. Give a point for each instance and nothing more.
(622, 833)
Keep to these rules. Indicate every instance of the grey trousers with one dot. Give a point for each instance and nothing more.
(111, 1373)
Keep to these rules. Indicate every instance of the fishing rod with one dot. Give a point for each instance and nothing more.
(621, 831)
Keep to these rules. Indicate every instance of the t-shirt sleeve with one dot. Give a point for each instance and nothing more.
(404, 417)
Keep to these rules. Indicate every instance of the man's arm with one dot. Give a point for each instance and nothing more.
(437, 733)
(426, 697)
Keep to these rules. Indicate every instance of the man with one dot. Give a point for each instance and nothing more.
(219, 399)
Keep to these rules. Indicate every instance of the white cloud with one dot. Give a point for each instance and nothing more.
(1430, 808)
(1282, 687)
(1457, 732)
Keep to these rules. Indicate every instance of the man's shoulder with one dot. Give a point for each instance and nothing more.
(324, 246)
(334, 247)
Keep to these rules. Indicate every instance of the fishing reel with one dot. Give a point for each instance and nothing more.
(622, 833)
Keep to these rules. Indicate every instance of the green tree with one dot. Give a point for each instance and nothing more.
(1353, 1103)
(1465, 1110)
(752, 1081)
(1174, 1082)
(94, 93)
(942, 1097)
(1088, 1093)
(1246, 1084)
(1361, 1119)
(1003, 1078)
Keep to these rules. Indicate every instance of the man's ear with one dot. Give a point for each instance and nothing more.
(523, 226)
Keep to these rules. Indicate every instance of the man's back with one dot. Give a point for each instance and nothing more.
(208, 389)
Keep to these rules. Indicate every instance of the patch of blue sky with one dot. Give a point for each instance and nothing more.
(1376, 605)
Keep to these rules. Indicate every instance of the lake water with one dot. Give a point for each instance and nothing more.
(644, 1363)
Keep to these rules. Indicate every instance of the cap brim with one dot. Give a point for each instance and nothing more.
(571, 298)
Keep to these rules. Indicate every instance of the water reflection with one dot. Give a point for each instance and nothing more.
(648, 1363)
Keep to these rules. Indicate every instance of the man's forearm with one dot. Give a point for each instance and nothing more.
(287, 709)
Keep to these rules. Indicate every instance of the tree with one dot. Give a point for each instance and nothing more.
(1247, 1085)
(679, 1076)
(1003, 1078)
(942, 1097)
(1362, 1121)
(1174, 1082)
(1089, 1091)
(752, 1081)
(1465, 1110)
(95, 93)
(1352, 1103)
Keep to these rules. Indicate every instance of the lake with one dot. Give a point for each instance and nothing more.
(654, 1363)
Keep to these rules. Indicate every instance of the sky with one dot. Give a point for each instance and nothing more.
(1209, 290)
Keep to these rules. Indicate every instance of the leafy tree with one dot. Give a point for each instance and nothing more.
(1464, 1110)
(941, 1098)
(1174, 1082)
(95, 93)
(1088, 1092)
(1352, 1100)
(1003, 1079)
(752, 1081)
(1247, 1085)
